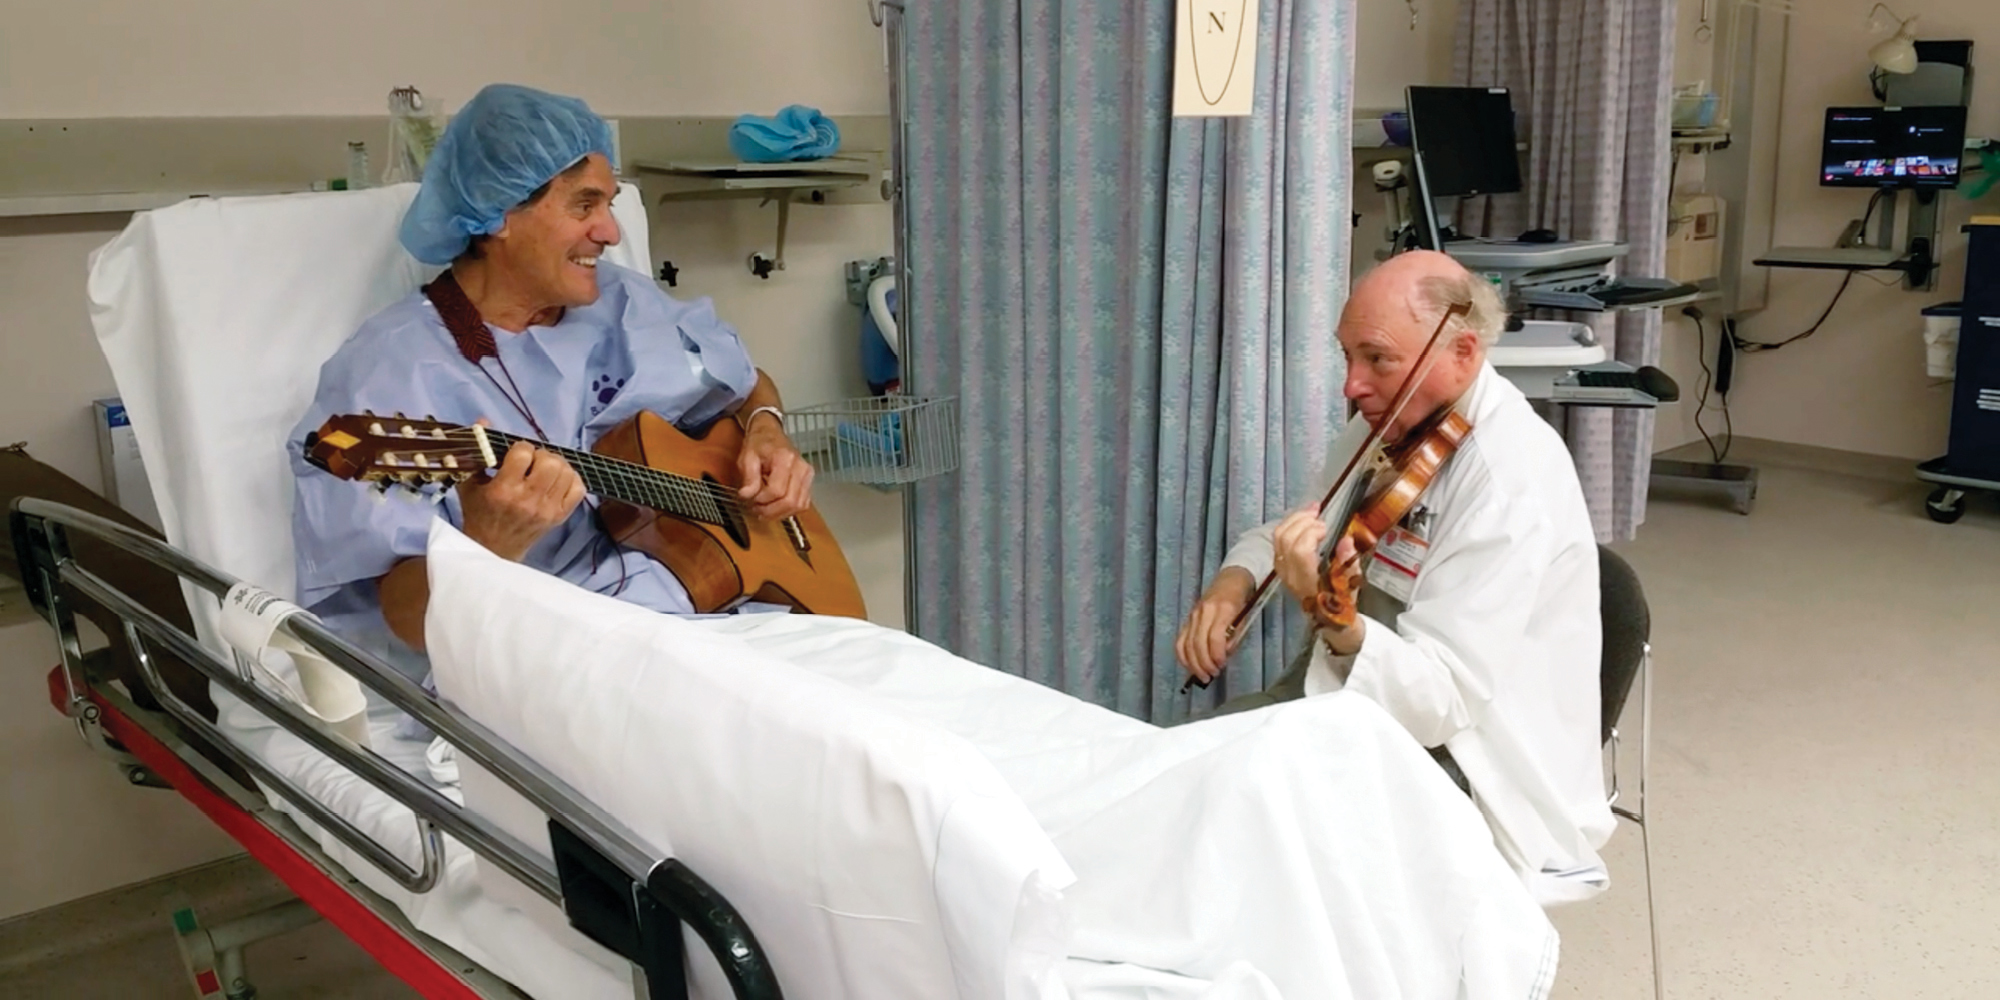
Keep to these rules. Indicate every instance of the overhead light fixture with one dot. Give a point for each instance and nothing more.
(1898, 53)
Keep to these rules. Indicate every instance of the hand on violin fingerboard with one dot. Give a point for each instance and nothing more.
(1333, 608)
(1295, 548)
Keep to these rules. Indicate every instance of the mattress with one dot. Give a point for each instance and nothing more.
(1415, 905)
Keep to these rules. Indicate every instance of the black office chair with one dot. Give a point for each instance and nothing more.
(1628, 653)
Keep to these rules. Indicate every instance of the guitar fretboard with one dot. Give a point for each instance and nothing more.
(672, 493)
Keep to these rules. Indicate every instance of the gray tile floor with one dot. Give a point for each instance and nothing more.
(1826, 776)
(120, 945)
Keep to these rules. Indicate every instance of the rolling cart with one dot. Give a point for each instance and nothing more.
(1972, 463)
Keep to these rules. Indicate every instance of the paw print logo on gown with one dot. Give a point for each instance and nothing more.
(603, 390)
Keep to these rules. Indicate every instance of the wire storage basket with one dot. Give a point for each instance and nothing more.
(881, 441)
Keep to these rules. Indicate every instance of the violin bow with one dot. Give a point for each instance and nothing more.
(1267, 589)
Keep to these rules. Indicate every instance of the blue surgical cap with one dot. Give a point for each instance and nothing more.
(497, 150)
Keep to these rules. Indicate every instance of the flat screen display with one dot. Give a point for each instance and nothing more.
(1892, 147)
(1466, 136)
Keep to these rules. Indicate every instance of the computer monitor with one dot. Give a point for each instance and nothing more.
(1465, 136)
(1892, 147)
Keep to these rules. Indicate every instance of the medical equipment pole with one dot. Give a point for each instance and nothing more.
(888, 15)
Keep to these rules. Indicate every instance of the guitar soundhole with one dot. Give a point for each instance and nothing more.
(731, 509)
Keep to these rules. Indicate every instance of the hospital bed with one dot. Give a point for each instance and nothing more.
(618, 803)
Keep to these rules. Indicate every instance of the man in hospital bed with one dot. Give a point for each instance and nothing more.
(1479, 628)
(516, 199)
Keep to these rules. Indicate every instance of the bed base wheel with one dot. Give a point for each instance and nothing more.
(1945, 505)
(143, 776)
(213, 956)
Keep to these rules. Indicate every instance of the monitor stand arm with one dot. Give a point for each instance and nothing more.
(1920, 274)
(1919, 256)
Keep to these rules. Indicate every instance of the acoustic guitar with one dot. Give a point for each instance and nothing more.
(664, 493)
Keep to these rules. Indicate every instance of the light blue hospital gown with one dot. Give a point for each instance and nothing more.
(633, 349)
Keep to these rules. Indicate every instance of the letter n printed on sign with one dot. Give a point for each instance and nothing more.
(1215, 57)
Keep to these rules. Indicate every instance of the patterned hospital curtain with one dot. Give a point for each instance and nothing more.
(1136, 314)
(1592, 82)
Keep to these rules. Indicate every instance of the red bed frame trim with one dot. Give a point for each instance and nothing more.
(401, 957)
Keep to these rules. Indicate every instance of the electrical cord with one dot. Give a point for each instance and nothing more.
(1757, 346)
(1728, 330)
(1707, 379)
(1709, 382)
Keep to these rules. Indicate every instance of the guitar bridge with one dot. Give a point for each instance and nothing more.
(800, 544)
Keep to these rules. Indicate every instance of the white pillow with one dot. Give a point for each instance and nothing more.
(871, 854)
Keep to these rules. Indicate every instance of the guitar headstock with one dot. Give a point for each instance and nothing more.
(397, 450)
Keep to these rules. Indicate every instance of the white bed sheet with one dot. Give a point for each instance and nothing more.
(1504, 944)
(1310, 850)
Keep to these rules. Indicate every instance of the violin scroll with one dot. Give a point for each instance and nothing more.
(1333, 606)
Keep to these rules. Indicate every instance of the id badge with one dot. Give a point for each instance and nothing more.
(1397, 560)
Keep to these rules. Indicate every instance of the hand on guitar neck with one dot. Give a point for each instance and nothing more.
(525, 498)
(508, 512)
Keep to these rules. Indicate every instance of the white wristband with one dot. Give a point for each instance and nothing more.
(772, 410)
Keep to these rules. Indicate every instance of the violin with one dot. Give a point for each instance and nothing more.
(1402, 473)
(1411, 465)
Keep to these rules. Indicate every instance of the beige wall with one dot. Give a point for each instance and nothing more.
(1859, 384)
(73, 828)
(120, 58)
(1389, 56)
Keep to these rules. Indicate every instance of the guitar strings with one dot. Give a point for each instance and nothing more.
(700, 499)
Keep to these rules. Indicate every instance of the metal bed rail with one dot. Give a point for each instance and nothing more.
(608, 884)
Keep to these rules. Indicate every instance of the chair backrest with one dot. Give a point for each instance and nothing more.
(1628, 626)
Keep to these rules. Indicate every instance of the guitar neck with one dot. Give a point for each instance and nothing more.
(629, 482)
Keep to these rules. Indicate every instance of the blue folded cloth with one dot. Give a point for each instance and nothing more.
(796, 133)
(858, 446)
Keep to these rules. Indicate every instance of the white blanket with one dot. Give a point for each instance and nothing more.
(1310, 851)
(872, 854)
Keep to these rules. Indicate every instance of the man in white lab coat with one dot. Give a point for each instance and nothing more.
(1478, 628)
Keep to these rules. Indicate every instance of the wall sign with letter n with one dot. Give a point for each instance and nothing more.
(1215, 57)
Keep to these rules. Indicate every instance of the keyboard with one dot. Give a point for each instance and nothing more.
(1604, 294)
(1616, 384)
(1618, 294)
(1853, 258)
(1608, 380)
